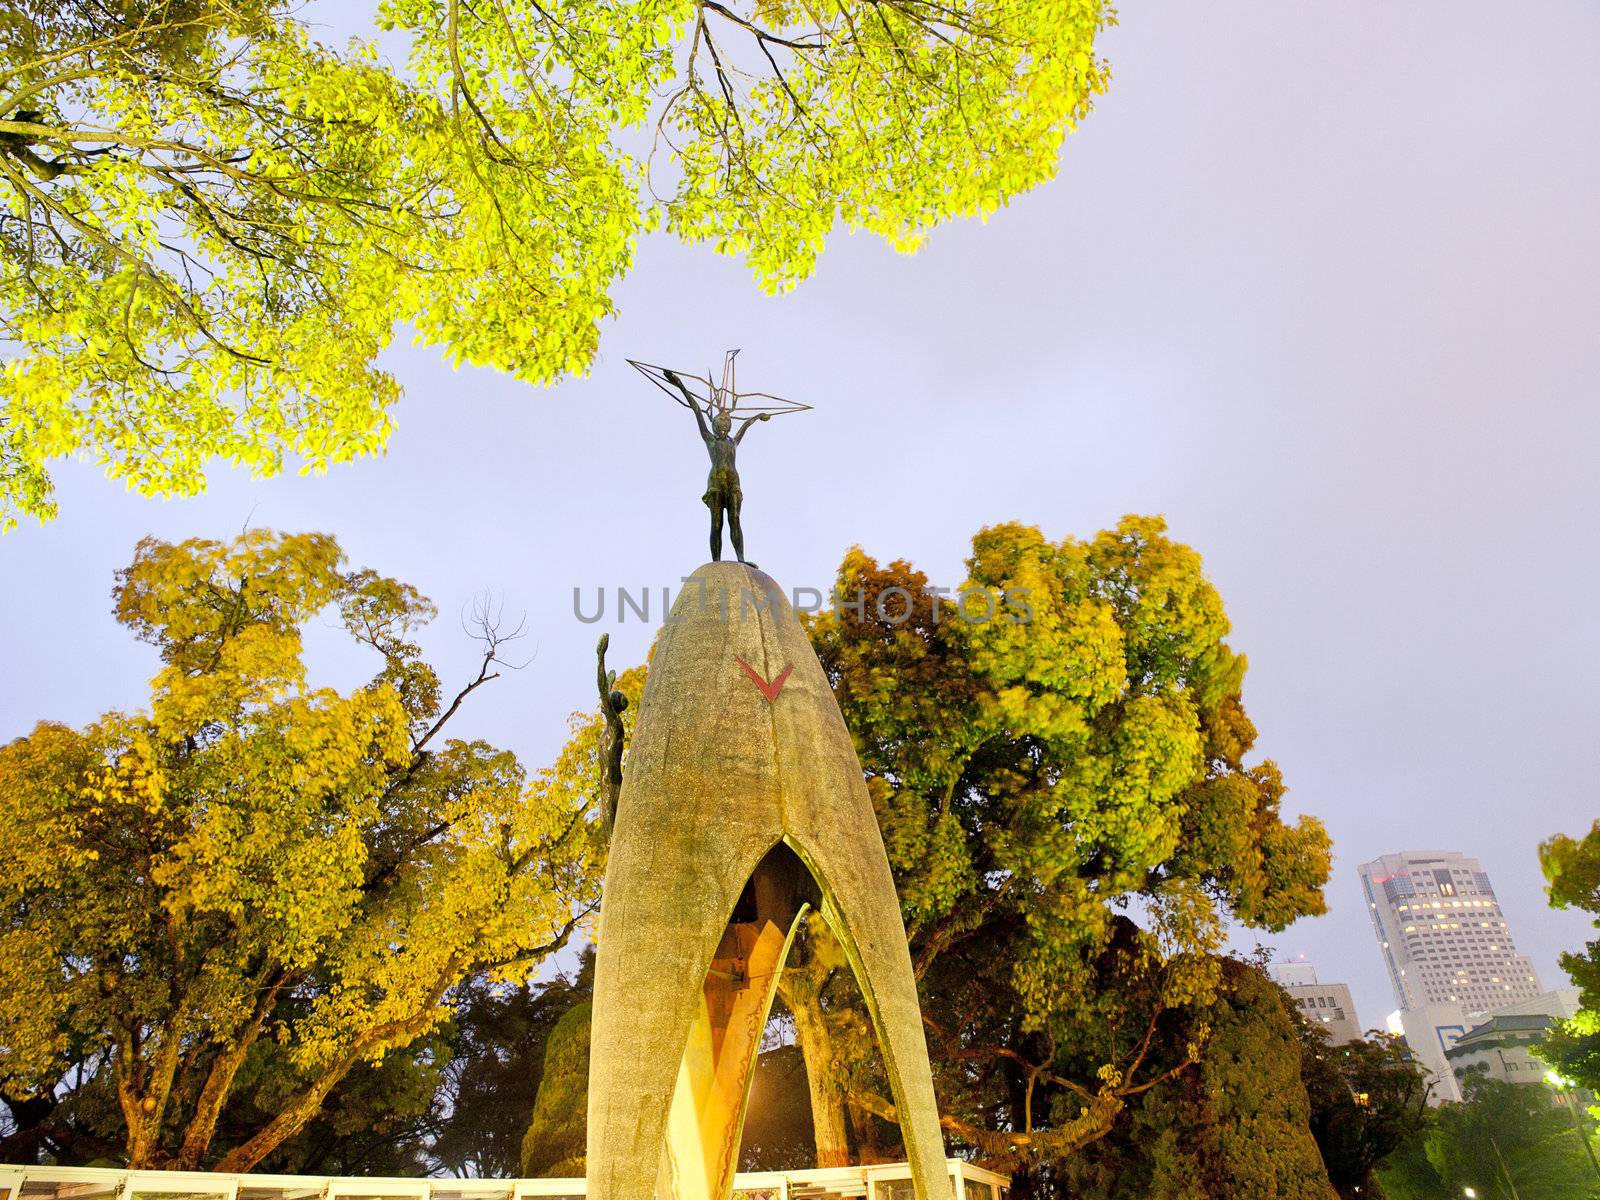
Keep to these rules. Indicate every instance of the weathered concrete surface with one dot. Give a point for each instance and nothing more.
(717, 775)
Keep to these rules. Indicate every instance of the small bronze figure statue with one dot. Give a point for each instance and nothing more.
(714, 413)
(612, 705)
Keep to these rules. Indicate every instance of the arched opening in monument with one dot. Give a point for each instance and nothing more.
(782, 906)
(777, 1133)
(710, 1099)
(818, 1049)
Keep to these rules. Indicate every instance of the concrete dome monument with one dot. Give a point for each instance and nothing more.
(743, 805)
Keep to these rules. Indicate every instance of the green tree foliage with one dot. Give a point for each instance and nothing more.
(1368, 1099)
(1236, 1127)
(258, 884)
(1572, 867)
(455, 1101)
(1510, 1141)
(1408, 1175)
(210, 223)
(378, 1120)
(76, 1123)
(1065, 800)
(556, 1140)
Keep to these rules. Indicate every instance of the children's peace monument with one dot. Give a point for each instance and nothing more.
(743, 807)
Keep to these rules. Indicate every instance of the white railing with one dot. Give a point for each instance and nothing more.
(885, 1181)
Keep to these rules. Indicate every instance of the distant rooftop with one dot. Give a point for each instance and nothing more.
(1498, 1031)
(1293, 974)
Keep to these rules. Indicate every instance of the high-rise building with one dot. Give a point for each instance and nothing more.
(1443, 935)
(1326, 1004)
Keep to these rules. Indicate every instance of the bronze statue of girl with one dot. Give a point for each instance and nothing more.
(723, 494)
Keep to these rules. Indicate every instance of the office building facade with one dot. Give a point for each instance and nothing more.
(1327, 1005)
(1443, 936)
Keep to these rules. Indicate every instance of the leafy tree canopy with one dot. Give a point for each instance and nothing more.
(1064, 798)
(1236, 1127)
(1510, 1141)
(257, 883)
(378, 1120)
(496, 1070)
(555, 1143)
(210, 222)
(1369, 1098)
(454, 1101)
(1082, 744)
(1572, 867)
(1408, 1175)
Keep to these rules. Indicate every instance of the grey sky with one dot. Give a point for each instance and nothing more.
(1317, 281)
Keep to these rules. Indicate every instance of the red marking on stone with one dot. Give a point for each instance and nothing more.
(769, 690)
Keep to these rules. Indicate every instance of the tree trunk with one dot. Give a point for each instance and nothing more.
(143, 1135)
(867, 1148)
(208, 1108)
(219, 1083)
(801, 992)
(297, 1112)
(142, 1093)
(291, 1119)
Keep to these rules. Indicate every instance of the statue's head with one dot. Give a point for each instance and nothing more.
(721, 423)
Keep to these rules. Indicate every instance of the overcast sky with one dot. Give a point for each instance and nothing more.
(1320, 282)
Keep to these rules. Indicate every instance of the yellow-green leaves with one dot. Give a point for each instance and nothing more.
(1055, 755)
(256, 862)
(1065, 741)
(210, 224)
(1572, 871)
(889, 116)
